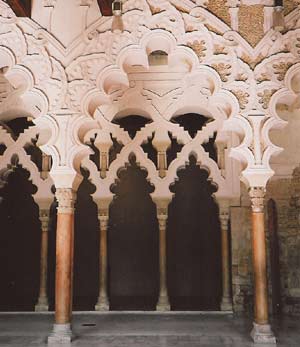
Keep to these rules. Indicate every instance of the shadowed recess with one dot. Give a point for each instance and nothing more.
(193, 242)
(19, 125)
(191, 122)
(20, 238)
(132, 124)
(133, 242)
(86, 247)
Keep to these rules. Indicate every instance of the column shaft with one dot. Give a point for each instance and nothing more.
(42, 304)
(103, 303)
(63, 276)
(261, 332)
(259, 268)
(226, 304)
(163, 301)
(64, 267)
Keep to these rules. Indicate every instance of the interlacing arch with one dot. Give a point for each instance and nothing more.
(174, 58)
(219, 64)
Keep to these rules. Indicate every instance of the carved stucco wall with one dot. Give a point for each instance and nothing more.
(75, 84)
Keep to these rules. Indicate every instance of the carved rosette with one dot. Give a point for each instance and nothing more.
(44, 218)
(66, 199)
(257, 196)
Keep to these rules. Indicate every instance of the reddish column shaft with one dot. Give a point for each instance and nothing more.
(259, 268)
(64, 267)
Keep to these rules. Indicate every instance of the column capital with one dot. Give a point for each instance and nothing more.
(103, 217)
(162, 207)
(224, 211)
(66, 198)
(44, 218)
(257, 196)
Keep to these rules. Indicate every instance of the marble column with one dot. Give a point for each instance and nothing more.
(64, 267)
(103, 302)
(226, 303)
(42, 304)
(162, 216)
(261, 332)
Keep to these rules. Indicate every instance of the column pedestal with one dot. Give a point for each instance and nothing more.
(62, 333)
(42, 304)
(261, 332)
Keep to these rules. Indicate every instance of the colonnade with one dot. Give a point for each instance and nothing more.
(65, 251)
(102, 304)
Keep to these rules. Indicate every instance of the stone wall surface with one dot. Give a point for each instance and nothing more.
(282, 191)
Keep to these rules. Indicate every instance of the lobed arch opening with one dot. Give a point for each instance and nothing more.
(20, 239)
(193, 231)
(133, 273)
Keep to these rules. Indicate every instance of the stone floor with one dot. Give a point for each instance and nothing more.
(144, 330)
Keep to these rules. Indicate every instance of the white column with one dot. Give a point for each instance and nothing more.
(162, 216)
(42, 304)
(226, 303)
(103, 302)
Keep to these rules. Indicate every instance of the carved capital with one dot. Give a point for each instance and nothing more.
(224, 209)
(257, 196)
(66, 199)
(224, 218)
(103, 216)
(44, 218)
(162, 216)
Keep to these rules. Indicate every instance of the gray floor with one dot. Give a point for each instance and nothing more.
(144, 330)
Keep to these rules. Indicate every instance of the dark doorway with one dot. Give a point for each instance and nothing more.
(133, 242)
(20, 239)
(194, 242)
(52, 255)
(274, 257)
(86, 248)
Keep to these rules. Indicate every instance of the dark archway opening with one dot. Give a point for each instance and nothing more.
(133, 274)
(86, 248)
(52, 255)
(20, 239)
(194, 242)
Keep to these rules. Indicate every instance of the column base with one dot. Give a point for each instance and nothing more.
(226, 304)
(41, 308)
(163, 304)
(61, 334)
(263, 334)
(102, 304)
(42, 305)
